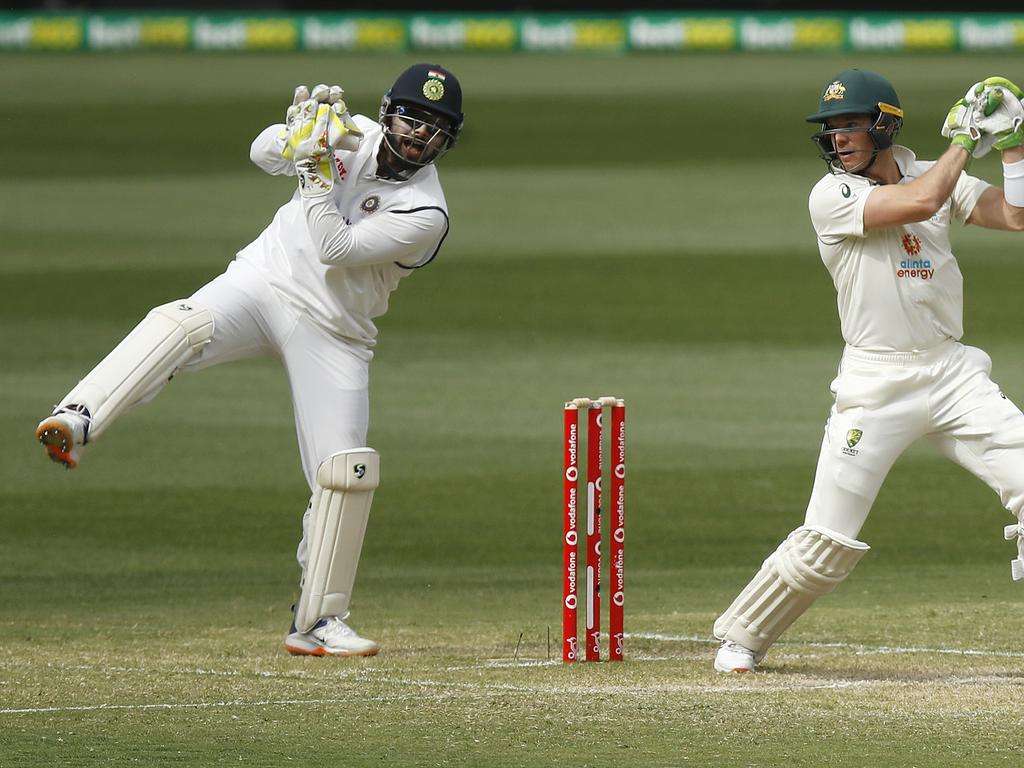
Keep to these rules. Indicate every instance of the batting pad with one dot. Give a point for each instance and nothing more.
(340, 509)
(808, 564)
(143, 362)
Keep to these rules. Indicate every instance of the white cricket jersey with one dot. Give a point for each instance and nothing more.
(900, 288)
(338, 257)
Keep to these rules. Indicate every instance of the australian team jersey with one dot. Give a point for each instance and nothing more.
(338, 257)
(899, 289)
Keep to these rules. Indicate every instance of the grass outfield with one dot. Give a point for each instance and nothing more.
(634, 225)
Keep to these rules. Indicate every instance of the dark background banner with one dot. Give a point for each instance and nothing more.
(560, 6)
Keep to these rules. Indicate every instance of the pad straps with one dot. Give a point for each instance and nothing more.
(810, 563)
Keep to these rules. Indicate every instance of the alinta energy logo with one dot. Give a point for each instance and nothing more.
(920, 269)
(911, 244)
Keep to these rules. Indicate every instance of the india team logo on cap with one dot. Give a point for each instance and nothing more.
(433, 89)
(835, 92)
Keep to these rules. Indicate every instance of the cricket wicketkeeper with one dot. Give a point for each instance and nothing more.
(882, 220)
(368, 211)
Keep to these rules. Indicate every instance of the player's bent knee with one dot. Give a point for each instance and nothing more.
(145, 359)
(345, 482)
(814, 559)
(357, 469)
(810, 563)
(194, 321)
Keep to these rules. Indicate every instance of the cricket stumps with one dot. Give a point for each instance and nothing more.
(571, 529)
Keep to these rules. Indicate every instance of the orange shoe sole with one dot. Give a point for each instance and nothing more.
(57, 441)
(295, 651)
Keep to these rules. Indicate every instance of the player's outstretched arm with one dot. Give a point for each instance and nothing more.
(894, 204)
(385, 237)
(1003, 208)
(1004, 119)
(985, 118)
(266, 151)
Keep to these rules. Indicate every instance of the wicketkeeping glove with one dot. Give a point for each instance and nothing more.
(318, 121)
(315, 164)
(317, 124)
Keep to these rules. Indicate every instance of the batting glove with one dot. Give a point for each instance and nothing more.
(961, 127)
(1000, 113)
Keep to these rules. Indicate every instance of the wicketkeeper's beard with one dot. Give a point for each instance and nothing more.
(399, 156)
(391, 165)
(411, 143)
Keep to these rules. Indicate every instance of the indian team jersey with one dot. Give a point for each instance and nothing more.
(338, 257)
(899, 288)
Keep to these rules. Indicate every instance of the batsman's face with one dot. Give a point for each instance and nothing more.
(853, 143)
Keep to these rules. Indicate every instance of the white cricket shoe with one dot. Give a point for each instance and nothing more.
(329, 637)
(733, 657)
(63, 436)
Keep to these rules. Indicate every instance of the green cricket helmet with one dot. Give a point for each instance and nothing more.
(857, 92)
(421, 115)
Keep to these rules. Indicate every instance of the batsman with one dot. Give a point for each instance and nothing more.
(882, 219)
(367, 211)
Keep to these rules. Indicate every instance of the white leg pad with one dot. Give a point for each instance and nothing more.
(340, 510)
(808, 564)
(142, 363)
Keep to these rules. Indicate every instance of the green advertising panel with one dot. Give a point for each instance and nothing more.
(515, 32)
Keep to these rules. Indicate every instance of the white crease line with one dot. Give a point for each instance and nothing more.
(791, 688)
(294, 674)
(427, 684)
(447, 689)
(647, 691)
(389, 677)
(515, 663)
(194, 705)
(860, 648)
(865, 650)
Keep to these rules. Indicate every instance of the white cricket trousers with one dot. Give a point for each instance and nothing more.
(884, 402)
(328, 377)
